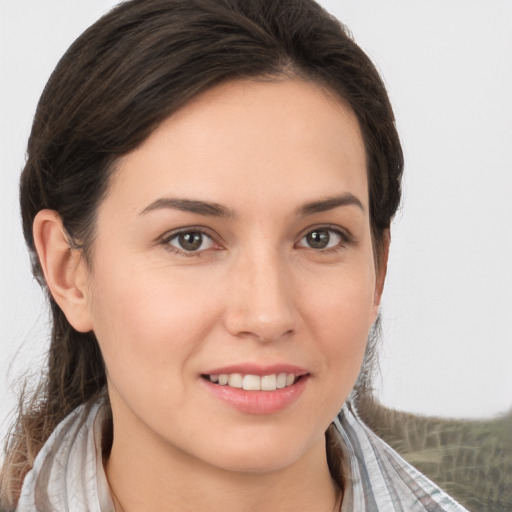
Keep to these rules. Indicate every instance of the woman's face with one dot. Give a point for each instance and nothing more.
(234, 244)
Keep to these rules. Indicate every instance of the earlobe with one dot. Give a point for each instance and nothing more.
(63, 269)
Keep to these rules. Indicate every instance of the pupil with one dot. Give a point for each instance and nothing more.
(318, 239)
(191, 241)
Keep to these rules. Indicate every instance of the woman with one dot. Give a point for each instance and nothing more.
(207, 200)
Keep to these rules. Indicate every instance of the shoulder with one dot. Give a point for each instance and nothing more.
(380, 479)
(471, 460)
(67, 473)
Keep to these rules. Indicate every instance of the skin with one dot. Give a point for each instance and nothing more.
(256, 291)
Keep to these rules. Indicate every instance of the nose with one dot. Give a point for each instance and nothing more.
(260, 303)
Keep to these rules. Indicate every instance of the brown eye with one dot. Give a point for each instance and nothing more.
(190, 241)
(318, 239)
(322, 238)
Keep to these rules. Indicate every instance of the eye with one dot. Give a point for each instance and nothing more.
(190, 241)
(323, 238)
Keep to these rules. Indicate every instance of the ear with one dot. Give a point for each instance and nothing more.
(382, 267)
(64, 270)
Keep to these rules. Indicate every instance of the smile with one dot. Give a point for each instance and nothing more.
(250, 382)
(256, 394)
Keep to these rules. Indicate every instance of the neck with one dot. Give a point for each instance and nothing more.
(150, 476)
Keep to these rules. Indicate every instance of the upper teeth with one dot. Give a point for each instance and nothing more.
(254, 382)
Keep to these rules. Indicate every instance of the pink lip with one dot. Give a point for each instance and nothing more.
(258, 402)
(255, 369)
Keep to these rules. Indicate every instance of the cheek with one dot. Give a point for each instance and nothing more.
(147, 328)
(342, 303)
(340, 316)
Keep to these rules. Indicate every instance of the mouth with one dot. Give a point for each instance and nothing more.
(257, 389)
(250, 382)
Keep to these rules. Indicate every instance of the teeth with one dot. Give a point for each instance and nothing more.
(269, 383)
(281, 381)
(254, 382)
(235, 380)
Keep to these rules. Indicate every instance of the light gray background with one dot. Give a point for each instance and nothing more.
(447, 309)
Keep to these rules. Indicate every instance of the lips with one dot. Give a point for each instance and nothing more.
(251, 382)
(257, 390)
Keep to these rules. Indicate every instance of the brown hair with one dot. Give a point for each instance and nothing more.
(118, 81)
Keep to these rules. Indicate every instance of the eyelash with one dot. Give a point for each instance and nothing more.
(167, 239)
(345, 239)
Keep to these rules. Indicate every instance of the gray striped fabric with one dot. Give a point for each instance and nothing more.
(68, 473)
(380, 480)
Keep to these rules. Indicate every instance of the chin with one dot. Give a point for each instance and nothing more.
(263, 452)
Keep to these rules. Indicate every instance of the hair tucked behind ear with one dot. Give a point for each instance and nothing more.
(119, 80)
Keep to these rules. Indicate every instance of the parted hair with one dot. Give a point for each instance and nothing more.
(113, 87)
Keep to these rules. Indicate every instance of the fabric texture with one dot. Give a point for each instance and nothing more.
(68, 472)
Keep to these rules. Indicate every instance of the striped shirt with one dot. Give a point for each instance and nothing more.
(379, 479)
(68, 472)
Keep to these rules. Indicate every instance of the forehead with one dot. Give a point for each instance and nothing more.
(251, 138)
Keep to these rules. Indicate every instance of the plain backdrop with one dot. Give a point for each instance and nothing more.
(447, 308)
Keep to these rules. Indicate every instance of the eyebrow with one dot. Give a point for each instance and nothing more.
(189, 205)
(330, 203)
(217, 210)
